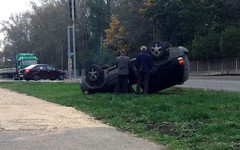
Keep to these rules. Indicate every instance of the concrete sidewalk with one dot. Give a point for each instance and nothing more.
(29, 123)
(100, 138)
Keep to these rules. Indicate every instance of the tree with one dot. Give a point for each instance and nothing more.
(114, 41)
(205, 47)
(49, 33)
(229, 42)
(17, 35)
(204, 27)
(97, 23)
(189, 23)
(42, 31)
(137, 30)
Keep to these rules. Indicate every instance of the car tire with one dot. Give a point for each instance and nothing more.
(94, 74)
(105, 67)
(158, 49)
(155, 49)
(61, 77)
(36, 77)
(166, 45)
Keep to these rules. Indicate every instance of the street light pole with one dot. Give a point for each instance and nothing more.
(74, 46)
(69, 52)
(72, 9)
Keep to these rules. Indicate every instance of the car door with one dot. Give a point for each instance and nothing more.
(52, 72)
(42, 71)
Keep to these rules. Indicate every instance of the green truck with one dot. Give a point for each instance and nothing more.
(22, 61)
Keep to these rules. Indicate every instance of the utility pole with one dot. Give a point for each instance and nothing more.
(69, 52)
(72, 9)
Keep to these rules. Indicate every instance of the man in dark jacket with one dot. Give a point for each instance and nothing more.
(123, 65)
(144, 64)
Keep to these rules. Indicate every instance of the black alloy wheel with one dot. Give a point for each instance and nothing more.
(94, 73)
(36, 77)
(61, 77)
(155, 49)
(158, 49)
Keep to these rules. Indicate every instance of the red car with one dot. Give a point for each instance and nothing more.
(41, 71)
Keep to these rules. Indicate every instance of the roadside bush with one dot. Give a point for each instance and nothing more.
(205, 47)
(229, 42)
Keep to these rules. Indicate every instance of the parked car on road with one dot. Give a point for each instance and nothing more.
(41, 71)
(171, 67)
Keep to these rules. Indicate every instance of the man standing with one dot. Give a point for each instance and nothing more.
(144, 64)
(123, 65)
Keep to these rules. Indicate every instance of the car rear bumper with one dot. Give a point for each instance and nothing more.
(24, 76)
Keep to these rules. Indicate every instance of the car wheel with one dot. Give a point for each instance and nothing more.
(94, 73)
(166, 45)
(155, 49)
(36, 77)
(105, 67)
(158, 49)
(61, 77)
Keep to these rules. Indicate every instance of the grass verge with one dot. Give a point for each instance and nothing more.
(178, 118)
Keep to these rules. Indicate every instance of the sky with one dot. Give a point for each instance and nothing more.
(8, 7)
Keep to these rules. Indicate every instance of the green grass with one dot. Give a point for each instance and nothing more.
(177, 118)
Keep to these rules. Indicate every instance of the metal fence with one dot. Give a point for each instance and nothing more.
(5, 70)
(225, 66)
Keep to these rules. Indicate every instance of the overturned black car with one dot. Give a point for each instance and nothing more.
(171, 67)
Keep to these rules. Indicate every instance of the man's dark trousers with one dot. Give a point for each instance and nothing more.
(143, 77)
(122, 83)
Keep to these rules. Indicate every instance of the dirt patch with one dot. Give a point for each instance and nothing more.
(164, 128)
(22, 112)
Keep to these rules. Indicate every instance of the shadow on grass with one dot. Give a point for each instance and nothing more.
(172, 91)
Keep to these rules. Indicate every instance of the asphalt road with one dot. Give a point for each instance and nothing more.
(100, 138)
(225, 83)
(64, 81)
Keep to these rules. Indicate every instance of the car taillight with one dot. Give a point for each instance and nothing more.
(27, 70)
(180, 61)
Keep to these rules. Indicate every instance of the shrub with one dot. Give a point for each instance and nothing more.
(206, 47)
(229, 42)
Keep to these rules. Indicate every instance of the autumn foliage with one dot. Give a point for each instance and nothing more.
(114, 40)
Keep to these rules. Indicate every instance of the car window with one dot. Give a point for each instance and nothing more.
(29, 62)
(50, 68)
(30, 67)
(41, 67)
